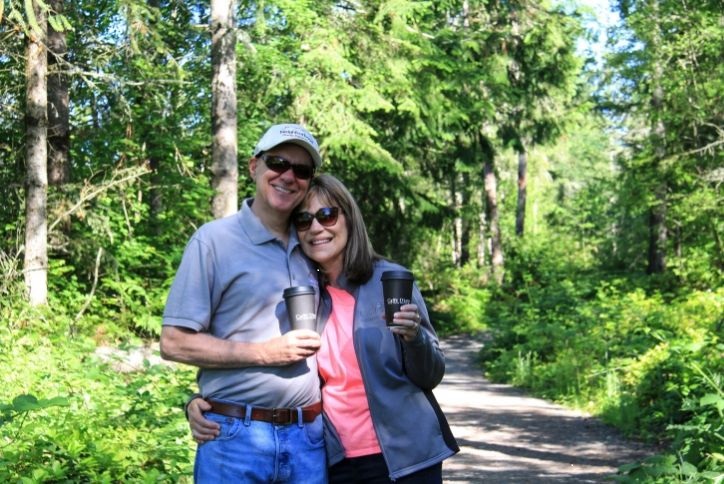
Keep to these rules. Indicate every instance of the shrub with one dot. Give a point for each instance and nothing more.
(69, 417)
(640, 352)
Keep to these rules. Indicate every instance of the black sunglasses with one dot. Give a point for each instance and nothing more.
(277, 164)
(327, 216)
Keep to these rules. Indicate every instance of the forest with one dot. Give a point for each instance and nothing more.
(565, 200)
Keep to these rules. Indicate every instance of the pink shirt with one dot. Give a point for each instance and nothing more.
(343, 393)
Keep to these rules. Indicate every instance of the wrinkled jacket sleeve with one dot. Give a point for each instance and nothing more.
(424, 360)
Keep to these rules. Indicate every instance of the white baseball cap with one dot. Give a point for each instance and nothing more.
(289, 133)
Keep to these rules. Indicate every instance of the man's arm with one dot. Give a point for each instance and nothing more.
(207, 351)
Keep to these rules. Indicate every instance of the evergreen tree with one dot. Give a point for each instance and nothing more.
(36, 150)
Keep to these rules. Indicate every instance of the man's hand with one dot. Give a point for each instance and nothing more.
(202, 430)
(291, 347)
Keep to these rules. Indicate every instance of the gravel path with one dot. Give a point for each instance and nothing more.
(508, 437)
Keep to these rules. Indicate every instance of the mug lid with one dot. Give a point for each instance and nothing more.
(407, 275)
(298, 290)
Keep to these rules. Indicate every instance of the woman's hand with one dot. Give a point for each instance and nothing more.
(407, 322)
(202, 430)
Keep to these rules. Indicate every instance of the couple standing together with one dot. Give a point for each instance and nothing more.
(259, 416)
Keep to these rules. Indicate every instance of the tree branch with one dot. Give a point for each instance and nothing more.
(93, 288)
(94, 193)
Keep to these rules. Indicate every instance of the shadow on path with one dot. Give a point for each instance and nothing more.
(506, 436)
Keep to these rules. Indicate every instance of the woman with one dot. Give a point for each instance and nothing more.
(382, 422)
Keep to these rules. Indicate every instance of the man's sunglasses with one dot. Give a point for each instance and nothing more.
(277, 164)
(326, 216)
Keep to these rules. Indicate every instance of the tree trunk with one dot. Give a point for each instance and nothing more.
(155, 194)
(657, 215)
(719, 246)
(658, 234)
(456, 199)
(36, 152)
(58, 101)
(522, 191)
(465, 225)
(482, 238)
(491, 211)
(223, 59)
(491, 197)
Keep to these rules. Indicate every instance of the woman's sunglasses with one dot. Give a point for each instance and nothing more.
(326, 216)
(277, 164)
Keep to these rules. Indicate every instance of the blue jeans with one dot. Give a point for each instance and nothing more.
(250, 451)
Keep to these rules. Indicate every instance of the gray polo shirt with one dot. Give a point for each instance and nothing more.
(230, 284)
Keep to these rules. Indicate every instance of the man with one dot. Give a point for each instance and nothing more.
(225, 314)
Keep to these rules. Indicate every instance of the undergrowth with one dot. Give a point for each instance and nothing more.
(67, 416)
(640, 352)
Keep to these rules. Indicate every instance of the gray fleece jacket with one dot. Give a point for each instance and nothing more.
(398, 378)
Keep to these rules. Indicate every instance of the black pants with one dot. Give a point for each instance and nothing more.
(372, 469)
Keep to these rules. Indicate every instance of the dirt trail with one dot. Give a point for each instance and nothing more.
(508, 437)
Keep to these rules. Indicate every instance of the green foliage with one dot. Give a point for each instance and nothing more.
(22, 404)
(696, 449)
(71, 417)
(458, 302)
(665, 469)
(674, 134)
(646, 359)
(408, 99)
(22, 16)
(698, 440)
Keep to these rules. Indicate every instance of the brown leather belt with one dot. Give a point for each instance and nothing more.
(278, 416)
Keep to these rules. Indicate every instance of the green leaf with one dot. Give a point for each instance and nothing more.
(32, 20)
(55, 23)
(56, 402)
(712, 399)
(688, 469)
(716, 477)
(66, 23)
(17, 16)
(24, 403)
(626, 468)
